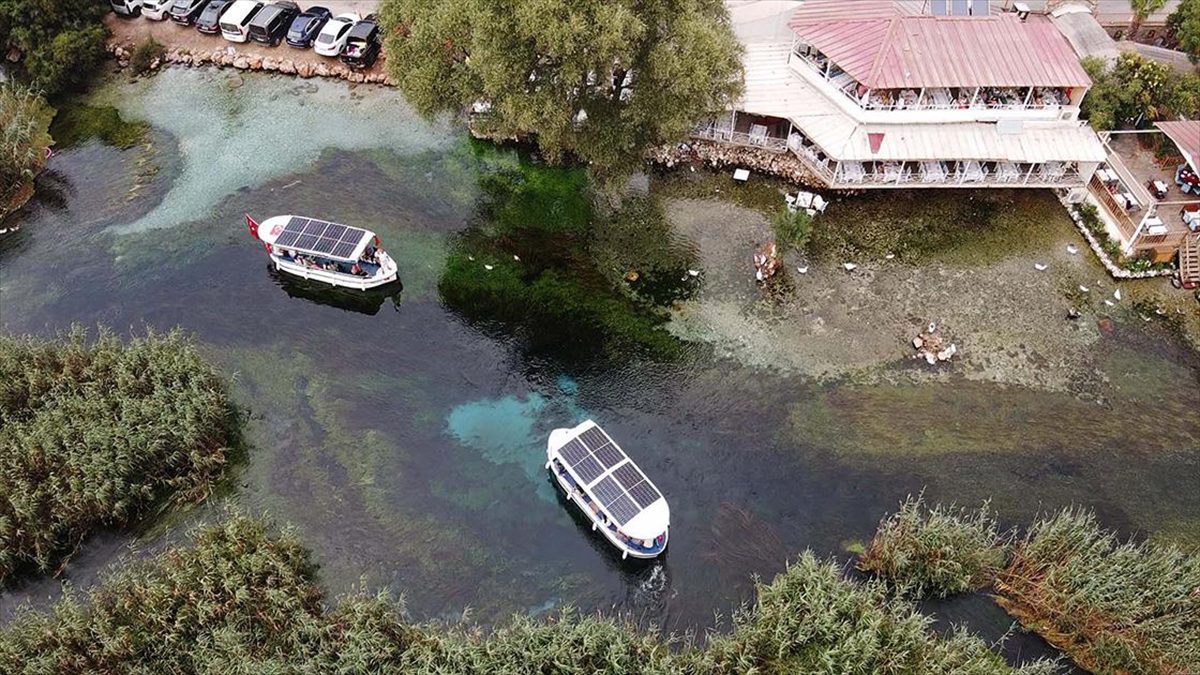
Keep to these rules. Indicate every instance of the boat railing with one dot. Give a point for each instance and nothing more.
(576, 492)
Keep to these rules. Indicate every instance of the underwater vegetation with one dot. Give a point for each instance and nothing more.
(93, 431)
(269, 614)
(76, 123)
(542, 259)
(1113, 606)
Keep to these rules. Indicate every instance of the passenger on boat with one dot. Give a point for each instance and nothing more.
(357, 270)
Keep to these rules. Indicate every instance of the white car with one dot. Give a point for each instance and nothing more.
(235, 20)
(126, 7)
(156, 9)
(332, 37)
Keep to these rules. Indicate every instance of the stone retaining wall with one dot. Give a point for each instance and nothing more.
(715, 155)
(1114, 270)
(229, 57)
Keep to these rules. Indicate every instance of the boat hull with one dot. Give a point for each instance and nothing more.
(386, 275)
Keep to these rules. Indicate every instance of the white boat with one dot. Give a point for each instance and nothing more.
(610, 489)
(311, 248)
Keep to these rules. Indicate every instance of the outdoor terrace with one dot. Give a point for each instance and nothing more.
(808, 60)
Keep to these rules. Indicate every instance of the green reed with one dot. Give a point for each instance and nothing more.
(241, 599)
(936, 551)
(1113, 606)
(93, 431)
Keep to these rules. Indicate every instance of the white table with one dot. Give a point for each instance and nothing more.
(742, 175)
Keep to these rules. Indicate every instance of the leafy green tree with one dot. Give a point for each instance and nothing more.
(24, 119)
(598, 79)
(1135, 90)
(1184, 24)
(60, 43)
(1142, 9)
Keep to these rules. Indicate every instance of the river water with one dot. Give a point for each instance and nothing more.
(405, 440)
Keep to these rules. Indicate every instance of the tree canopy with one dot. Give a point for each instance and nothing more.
(59, 43)
(1184, 23)
(1135, 90)
(600, 80)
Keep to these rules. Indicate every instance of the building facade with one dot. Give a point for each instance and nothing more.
(876, 94)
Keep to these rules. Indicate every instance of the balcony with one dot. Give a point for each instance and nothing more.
(947, 174)
(948, 104)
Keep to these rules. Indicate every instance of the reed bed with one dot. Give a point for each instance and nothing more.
(243, 599)
(91, 431)
(937, 551)
(1115, 607)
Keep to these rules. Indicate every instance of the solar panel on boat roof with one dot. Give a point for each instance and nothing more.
(609, 455)
(644, 494)
(287, 239)
(320, 236)
(607, 490)
(315, 227)
(623, 509)
(343, 250)
(573, 451)
(307, 242)
(588, 469)
(595, 437)
(628, 475)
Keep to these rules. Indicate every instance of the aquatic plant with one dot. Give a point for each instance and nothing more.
(145, 54)
(75, 123)
(1115, 607)
(792, 228)
(24, 118)
(936, 550)
(527, 262)
(91, 432)
(240, 594)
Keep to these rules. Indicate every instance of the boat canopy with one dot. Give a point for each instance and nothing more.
(312, 236)
(615, 482)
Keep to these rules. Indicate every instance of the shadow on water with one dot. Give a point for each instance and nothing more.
(367, 302)
(385, 435)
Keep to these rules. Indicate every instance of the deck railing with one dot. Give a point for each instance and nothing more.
(1115, 211)
(770, 143)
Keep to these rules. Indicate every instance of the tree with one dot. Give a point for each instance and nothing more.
(24, 120)
(60, 43)
(1136, 89)
(1184, 24)
(601, 80)
(1142, 9)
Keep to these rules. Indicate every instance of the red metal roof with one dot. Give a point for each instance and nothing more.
(1186, 135)
(882, 48)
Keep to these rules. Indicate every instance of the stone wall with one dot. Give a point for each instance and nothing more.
(715, 155)
(229, 57)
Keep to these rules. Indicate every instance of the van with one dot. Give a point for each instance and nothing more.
(235, 21)
(271, 23)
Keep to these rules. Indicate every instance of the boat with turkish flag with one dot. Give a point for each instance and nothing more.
(320, 250)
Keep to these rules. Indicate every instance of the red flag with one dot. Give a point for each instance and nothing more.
(253, 226)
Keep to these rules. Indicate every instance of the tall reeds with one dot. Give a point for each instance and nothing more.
(1115, 607)
(91, 431)
(937, 551)
(240, 599)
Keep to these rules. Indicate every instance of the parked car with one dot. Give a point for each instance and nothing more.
(156, 9)
(307, 26)
(185, 12)
(209, 20)
(271, 23)
(235, 21)
(332, 37)
(126, 7)
(362, 44)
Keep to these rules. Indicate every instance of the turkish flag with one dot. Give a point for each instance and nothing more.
(252, 226)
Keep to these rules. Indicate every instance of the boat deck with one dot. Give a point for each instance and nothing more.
(575, 493)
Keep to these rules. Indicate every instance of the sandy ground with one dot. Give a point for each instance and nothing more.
(136, 30)
(1007, 318)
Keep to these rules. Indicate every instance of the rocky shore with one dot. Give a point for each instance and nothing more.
(228, 56)
(714, 155)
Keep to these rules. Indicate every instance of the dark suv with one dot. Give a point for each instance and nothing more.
(307, 26)
(185, 12)
(209, 20)
(272, 22)
(362, 44)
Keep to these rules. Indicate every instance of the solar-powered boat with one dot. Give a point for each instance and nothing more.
(316, 249)
(609, 488)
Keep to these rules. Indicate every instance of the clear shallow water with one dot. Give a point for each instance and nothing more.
(406, 442)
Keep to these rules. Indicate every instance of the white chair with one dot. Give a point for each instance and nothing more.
(758, 134)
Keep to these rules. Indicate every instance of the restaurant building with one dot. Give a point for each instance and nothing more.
(875, 94)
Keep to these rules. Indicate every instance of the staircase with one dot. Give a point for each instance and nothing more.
(1189, 261)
